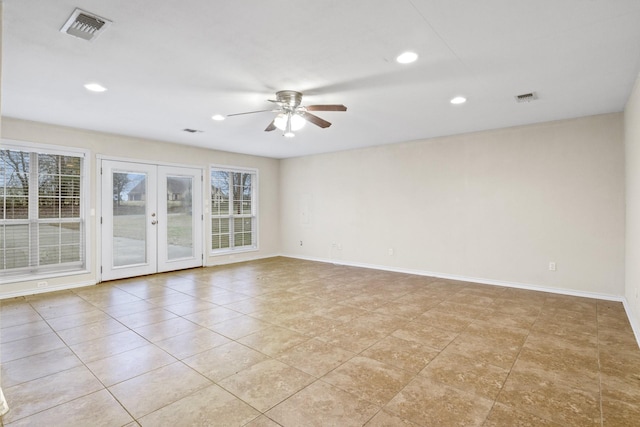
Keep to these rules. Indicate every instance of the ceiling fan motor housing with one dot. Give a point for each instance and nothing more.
(289, 98)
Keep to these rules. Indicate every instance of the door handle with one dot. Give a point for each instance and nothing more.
(154, 222)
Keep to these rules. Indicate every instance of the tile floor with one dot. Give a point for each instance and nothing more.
(297, 343)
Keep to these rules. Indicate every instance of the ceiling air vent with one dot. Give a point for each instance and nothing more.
(527, 97)
(85, 25)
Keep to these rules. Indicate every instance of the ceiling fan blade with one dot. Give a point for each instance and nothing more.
(272, 126)
(315, 119)
(333, 107)
(250, 112)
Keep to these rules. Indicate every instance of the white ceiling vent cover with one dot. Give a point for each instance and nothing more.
(526, 97)
(85, 25)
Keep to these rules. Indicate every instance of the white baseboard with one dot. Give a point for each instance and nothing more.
(635, 323)
(34, 291)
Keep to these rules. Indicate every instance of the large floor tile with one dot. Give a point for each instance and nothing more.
(454, 322)
(212, 316)
(263, 421)
(485, 351)
(351, 338)
(321, 405)
(618, 413)
(190, 343)
(273, 341)
(43, 393)
(189, 307)
(505, 416)
(239, 327)
(166, 329)
(145, 317)
(92, 331)
(315, 357)
(25, 330)
(430, 336)
(78, 319)
(429, 403)
(210, 406)
(30, 346)
(408, 355)
(266, 384)
(539, 395)
(369, 379)
(149, 392)
(98, 409)
(225, 360)
(14, 318)
(71, 305)
(37, 366)
(123, 366)
(386, 419)
(108, 346)
(466, 374)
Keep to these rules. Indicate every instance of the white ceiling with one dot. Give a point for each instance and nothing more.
(172, 65)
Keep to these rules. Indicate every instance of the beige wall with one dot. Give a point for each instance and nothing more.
(101, 144)
(494, 206)
(632, 158)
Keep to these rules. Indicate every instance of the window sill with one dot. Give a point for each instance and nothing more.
(6, 280)
(232, 251)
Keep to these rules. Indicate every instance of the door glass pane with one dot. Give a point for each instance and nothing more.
(179, 217)
(129, 218)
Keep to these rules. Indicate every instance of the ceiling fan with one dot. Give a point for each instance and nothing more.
(291, 115)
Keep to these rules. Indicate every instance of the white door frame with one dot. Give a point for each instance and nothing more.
(104, 227)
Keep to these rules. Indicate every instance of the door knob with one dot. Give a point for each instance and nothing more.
(154, 222)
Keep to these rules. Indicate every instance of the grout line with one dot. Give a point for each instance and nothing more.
(514, 363)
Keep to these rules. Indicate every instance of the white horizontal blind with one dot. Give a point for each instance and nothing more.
(42, 227)
(233, 209)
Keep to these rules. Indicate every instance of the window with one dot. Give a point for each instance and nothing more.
(42, 227)
(233, 209)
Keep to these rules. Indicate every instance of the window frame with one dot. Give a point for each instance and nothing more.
(254, 212)
(38, 272)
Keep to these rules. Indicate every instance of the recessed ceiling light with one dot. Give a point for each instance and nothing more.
(407, 57)
(95, 87)
(218, 117)
(458, 100)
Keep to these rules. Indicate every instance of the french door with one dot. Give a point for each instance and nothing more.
(151, 218)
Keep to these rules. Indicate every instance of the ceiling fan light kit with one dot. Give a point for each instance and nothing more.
(292, 116)
(293, 121)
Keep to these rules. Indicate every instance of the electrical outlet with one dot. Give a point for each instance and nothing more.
(552, 266)
(43, 284)
(300, 242)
